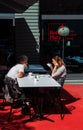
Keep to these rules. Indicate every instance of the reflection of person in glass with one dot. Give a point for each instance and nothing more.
(58, 68)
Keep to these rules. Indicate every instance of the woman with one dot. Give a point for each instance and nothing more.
(58, 69)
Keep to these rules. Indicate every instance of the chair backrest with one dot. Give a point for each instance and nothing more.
(7, 94)
(9, 90)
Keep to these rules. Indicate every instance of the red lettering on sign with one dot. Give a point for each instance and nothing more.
(53, 34)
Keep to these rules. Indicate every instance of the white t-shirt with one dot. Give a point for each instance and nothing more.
(13, 72)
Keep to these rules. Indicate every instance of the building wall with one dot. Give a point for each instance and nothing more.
(27, 33)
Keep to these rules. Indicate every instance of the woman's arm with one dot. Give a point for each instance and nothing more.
(54, 70)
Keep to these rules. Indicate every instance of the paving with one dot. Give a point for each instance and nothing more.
(74, 78)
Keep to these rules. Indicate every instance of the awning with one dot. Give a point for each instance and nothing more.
(16, 6)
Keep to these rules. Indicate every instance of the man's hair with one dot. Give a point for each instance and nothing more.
(22, 58)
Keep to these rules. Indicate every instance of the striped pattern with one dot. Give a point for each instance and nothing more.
(27, 33)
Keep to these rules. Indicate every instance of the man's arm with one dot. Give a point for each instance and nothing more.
(20, 74)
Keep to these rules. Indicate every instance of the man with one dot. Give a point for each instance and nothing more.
(12, 91)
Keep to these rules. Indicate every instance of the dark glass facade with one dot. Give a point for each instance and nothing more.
(61, 7)
(7, 42)
(69, 47)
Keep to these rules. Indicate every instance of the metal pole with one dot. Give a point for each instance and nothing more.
(63, 49)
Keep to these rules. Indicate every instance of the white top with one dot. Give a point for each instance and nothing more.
(14, 71)
(43, 80)
(60, 71)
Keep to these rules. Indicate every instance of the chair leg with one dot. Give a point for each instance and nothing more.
(10, 113)
(61, 108)
(3, 102)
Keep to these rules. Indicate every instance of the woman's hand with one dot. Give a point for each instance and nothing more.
(50, 66)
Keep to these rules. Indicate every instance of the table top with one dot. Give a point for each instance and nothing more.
(38, 80)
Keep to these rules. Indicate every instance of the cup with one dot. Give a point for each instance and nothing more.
(30, 74)
(48, 64)
(36, 77)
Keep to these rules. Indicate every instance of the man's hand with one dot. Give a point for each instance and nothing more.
(20, 74)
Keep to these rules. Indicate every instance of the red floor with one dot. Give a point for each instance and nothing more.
(73, 114)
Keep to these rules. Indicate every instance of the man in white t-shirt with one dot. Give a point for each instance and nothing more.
(12, 75)
(18, 69)
(12, 90)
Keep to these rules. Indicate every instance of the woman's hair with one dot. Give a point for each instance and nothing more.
(59, 60)
(22, 58)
